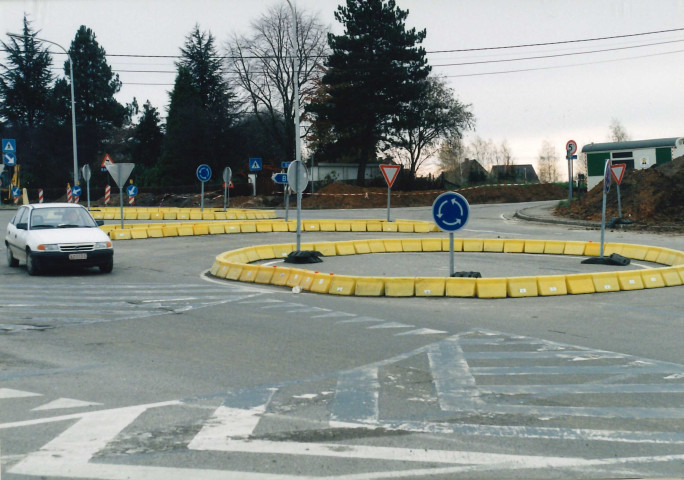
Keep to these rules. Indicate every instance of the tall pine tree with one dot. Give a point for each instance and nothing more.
(375, 70)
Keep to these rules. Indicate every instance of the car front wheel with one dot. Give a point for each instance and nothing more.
(11, 261)
(32, 264)
(107, 267)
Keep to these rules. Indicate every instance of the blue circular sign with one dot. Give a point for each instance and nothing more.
(76, 191)
(203, 172)
(606, 176)
(450, 211)
(16, 192)
(131, 190)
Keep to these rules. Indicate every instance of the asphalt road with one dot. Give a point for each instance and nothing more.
(157, 371)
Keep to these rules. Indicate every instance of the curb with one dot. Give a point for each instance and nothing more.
(522, 215)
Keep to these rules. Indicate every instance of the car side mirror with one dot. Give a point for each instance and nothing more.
(22, 226)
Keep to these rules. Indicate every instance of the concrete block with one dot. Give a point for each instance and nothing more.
(522, 286)
(429, 287)
(369, 286)
(460, 287)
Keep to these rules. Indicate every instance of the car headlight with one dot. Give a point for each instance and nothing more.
(50, 247)
(103, 245)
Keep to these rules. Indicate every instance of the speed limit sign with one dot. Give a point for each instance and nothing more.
(571, 147)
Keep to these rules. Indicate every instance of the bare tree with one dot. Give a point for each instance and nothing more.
(548, 163)
(503, 154)
(263, 64)
(484, 151)
(617, 132)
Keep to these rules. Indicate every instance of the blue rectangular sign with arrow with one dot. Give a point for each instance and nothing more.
(280, 178)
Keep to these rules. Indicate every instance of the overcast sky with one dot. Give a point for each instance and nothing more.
(639, 81)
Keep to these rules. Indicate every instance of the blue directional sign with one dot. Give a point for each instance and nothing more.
(16, 192)
(450, 211)
(280, 178)
(9, 159)
(203, 172)
(285, 165)
(607, 176)
(255, 164)
(9, 145)
(76, 191)
(131, 190)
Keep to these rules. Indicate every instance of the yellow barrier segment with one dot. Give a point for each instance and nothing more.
(431, 244)
(342, 285)
(361, 247)
(458, 244)
(680, 270)
(327, 249)
(652, 254)
(251, 254)
(552, 285)
(490, 287)
(264, 274)
(155, 232)
(369, 287)
(279, 226)
(495, 246)
(429, 287)
(389, 227)
(139, 233)
(393, 246)
(652, 278)
(635, 252)
(185, 230)
(405, 227)
(534, 246)
(422, 227)
(170, 215)
(234, 271)
(671, 276)
(265, 252)
(667, 257)
(579, 283)
(233, 228)
(120, 234)
(321, 282)
(345, 248)
(219, 216)
(200, 229)
(460, 287)
(514, 246)
(249, 273)
(377, 246)
(208, 216)
(310, 226)
(219, 269)
(143, 215)
(296, 277)
(130, 215)
(342, 226)
(326, 226)
(248, 227)
(307, 280)
(554, 247)
(264, 227)
(181, 215)
(522, 287)
(574, 248)
(217, 228)
(358, 226)
(280, 276)
(399, 286)
(411, 245)
(592, 249)
(373, 226)
(630, 280)
(282, 251)
(473, 245)
(606, 282)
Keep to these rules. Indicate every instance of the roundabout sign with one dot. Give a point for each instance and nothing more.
(450, 211)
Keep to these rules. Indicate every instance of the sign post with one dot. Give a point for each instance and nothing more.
(203, 175)
(617, 170)
(255, 165)
(281, 179)
(606, 188)
(227, 175)
(390, 173)
(85, 170)
(298, 179)
(450, 211)
(571, 149)
(120, 173)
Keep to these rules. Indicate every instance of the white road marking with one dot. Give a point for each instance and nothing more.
(10, 393)
(422, 331)
(61, 403)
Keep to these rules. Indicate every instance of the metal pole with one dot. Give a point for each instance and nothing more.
(225, 195)
(202, 199)
(451, 253)
(389, 189)
(287, 202)
(295, 74)
(619, 202)
(88, 189)
(121, 206)
(569, 177)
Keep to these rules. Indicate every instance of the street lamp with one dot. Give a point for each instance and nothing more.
(73, 106)
(295, 44)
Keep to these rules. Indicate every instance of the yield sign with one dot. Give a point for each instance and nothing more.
(618, 170)
(390, 173)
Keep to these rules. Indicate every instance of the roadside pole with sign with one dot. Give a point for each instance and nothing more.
(450, 211)
(85, 170)
(390, 172)
(571, 149)
(120, 173)
(606, 188)
(617, 170)
(298, 179)
(281, 179)
(203, 175)
(255, 165)
(227, 175)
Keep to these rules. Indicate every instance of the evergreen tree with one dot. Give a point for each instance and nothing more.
(146, 145)
(374, 71)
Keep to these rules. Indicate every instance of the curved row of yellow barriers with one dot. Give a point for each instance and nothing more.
(237, 265)
(178, 213)
(159, 230)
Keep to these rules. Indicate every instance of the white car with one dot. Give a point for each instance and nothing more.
(57, 234)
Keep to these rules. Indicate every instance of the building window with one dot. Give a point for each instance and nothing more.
(622, 155)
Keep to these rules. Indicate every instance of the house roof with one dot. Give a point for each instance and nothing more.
(630, 145)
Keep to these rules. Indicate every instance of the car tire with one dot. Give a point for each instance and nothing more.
(107, 267)
(11, 261)
(32, 264)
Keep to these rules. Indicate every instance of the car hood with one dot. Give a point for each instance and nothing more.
(68, 235)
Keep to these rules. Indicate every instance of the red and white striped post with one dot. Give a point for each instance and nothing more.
(108, 194)
(69, 197)
(131, 200)
(40, 195)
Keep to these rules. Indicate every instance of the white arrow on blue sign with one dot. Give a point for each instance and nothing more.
(285, 164)
(254, 164)
(203, 172)
(131, 190)
(9, 145)
(16, 192)
(9, 159)
(450, 211)
(76, 191)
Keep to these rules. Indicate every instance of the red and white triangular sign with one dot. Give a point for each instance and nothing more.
(107, 160)
(618, 170)
(390, 173)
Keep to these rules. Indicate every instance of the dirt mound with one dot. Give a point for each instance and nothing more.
(654, 196)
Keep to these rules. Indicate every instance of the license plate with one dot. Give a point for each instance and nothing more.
(78, 256)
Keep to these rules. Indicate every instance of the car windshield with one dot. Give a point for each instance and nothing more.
(61, 217)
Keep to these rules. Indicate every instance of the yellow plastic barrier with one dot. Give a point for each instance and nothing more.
(554, 247)
(251, 254)
(248, 273)
(369, 287)
(139, 233)
(411, 245)
(431, 244)
(574, 248)
(377, 246)
(342, 226)
(170, 215)
(342, 285)
(652, 279)
(393, 246)
(280, 276)
(491, 287)
(374, 226)
(405, 227)
(399, 286)
(279, 226)
(592, 249)
(217, 228)
(219, 216)
(671, 276)
(208, 216)
(234, 271)
(296, 277)
(327, 249)
(630, 280)
(310, 226)
(635, 252)
(458, 244)
(282, 251)
(264, 274)
(358, 226)
(265, 252)
(200, 229)
(389, 227)
(460, 287)
(345, 248)
(495, 246)
(652, 254)
(522, 286)
(666, 257)
(514, 246)
(143, 215)
(534, 246)
(473, 245)
(248, 227)
(185, 230)
(155, 232)
(120, 234)
(422, 227)
(264, 227)
(233, 228)
(128, 215)
(326, 226)
(182, 215)
(429, 287)
(307, 280)
(361, 247)
(222, 270)
(579, 283)
(552, 285)
(606, 282)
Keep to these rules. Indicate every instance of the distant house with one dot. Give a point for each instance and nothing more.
(468, 172)
(342, 171)
(637, 154)
(514, 173)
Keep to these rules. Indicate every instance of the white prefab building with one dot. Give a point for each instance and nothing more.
(638, 154)
(342, 171)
